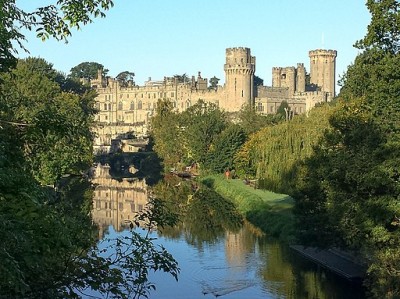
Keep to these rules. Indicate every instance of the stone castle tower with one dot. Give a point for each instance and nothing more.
(323, 69)
(290, 77)
(239, 79)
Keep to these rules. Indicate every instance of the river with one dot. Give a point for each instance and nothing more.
(223, 262)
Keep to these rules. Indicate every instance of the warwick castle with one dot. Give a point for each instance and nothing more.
(125, 110)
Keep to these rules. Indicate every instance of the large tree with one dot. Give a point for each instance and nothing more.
(350, 186)
(87, 70)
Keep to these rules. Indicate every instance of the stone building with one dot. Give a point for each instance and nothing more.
(125, 109)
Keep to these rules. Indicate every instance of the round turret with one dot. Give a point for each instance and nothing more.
(323, 69)
(239, 78)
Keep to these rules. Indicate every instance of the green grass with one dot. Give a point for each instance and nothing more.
(271, 212)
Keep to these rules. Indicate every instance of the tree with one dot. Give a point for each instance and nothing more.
(350, 185)
(57, 138)
(202, 122)
(224, 147)
(125, 77)
(258, 81)
(87, 70)
(54, 20)
(167, 134)
(182, 78)
(251, 121)
(213, 83)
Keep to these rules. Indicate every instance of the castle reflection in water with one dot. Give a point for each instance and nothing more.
(116, 201)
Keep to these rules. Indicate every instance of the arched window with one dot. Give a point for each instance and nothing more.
(139, 105)
(109, 106)
(105, 106)
(132, 107)
(120, 106)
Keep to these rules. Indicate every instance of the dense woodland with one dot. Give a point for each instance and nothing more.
(340, 163)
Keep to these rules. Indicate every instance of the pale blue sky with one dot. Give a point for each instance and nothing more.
(157, 38)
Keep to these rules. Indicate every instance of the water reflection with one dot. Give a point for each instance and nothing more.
(218, 256)
(115, 201)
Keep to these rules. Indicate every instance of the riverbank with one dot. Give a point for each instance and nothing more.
(269, 211)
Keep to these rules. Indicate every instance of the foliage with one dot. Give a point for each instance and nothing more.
(57, 137)
(87, 70)
(181, 139)
(53, 20)
(223, 149)
(383, 31)
(167, 134)
(251, 121)
(213, 83)
(258, 81)
(125, 77)
(349, 188)
(202, 122)
(273, 153)
(184, 78)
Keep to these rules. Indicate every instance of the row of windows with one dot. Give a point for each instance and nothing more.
(139, 105)
(142, 95)
(108, 205)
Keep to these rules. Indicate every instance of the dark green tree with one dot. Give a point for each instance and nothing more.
(166, 131)
(184, 78)
(125, 77)
(87, 70)
(258, 81)
(225, 145)
(201, 124)
(350, 185)
(213, 83)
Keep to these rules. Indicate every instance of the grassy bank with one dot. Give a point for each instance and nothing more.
(269, 211)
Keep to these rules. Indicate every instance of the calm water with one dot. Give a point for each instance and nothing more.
(231, 264)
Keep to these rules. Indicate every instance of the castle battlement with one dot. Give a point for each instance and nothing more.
(319, 52)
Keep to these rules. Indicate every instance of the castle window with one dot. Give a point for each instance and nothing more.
(105, 106)
(148, 106)
(271, 109)
(260, 107)
(242, 93)
(120, 106)
(172, 94)
(127, 96)
(120, 96)
(109, 106)
(132, 107)
(141, 95)
(139, 105)
(149, 96)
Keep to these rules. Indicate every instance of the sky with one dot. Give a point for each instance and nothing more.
(157, 38)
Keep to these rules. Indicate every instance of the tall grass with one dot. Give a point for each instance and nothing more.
(271, 212)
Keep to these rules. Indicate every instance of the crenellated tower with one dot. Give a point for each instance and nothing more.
(239, 78)
(323, 69)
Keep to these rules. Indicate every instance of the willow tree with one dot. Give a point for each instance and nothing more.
(273, 154)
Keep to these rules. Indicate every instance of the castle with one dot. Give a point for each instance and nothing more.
(125, 109)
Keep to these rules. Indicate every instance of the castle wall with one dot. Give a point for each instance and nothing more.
(126, 111)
